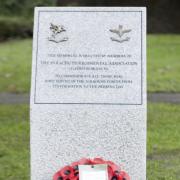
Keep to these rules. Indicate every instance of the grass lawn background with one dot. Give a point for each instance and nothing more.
(163, 64)
(163, 142)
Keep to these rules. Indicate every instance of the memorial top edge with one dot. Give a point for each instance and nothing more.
(91, 9)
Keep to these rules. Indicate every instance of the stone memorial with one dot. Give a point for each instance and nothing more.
(88, 93)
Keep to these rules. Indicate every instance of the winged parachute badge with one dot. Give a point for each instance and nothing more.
(120, 32)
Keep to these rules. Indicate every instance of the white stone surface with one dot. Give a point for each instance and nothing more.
(88, 119)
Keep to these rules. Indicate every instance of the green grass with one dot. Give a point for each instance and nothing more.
(163, 142)
(163, 64)
(14, 142)
(15, 66)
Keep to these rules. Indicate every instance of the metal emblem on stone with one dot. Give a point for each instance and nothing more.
(56, 33)
(120, 32)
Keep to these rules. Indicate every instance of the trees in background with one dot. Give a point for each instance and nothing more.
(22, 7)
(163, 15)
(16, 17)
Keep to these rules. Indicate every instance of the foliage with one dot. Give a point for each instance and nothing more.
(15, 27)
(22, 7)
(16, 17)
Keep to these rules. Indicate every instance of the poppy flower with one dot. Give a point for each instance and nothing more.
(67, 171)
(113, 166)
(82, 161)
(98, 161)
(123, 176)
(110, 172)
(57, 176)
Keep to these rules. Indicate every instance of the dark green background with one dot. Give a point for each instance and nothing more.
(163, 15)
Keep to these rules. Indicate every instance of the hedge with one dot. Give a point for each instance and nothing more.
(15, 27)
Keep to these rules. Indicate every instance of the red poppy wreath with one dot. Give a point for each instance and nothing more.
(71, 172)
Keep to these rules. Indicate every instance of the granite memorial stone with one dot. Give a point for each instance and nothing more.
(88, 93)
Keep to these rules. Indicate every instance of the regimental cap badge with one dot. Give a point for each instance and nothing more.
(56, 31)
(121, 34)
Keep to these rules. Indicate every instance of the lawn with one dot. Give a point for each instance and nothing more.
(163, 64)
(14, 142)
(163, 142)
(15, 66)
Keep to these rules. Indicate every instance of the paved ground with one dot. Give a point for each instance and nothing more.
(7, 98)
(164, 97)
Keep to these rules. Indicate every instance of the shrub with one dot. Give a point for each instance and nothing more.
(11, 27)
(22, 7)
